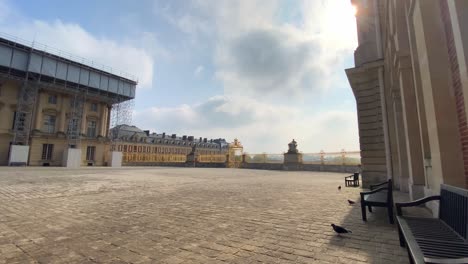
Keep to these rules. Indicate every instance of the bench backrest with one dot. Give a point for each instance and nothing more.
(356, 176)
(453, 208)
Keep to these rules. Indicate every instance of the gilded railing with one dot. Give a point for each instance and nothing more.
(215, 158)
(323, 158)
(152, 157)
(264, 158)
(332, 158)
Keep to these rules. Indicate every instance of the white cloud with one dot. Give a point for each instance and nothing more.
(73, 39)
(198, 71)
(262, 127)
(259, 55)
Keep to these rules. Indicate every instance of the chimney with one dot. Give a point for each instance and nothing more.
(184, 137)
(205, 140)
(164, 135)
(174, 136)
(200, 139)
(190, 138)
(146, 132)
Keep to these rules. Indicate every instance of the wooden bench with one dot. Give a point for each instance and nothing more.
(381, 197)
(352, 180)
(437, 240)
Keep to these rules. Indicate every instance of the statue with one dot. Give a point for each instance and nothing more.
(293, 147)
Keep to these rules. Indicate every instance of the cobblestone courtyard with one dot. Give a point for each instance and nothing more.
(186, 215)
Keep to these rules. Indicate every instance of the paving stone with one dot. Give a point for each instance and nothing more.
(186, 215)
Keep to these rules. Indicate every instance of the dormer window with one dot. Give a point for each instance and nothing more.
(94, 107)
(52, 99)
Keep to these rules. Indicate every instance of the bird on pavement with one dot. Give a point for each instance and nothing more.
(351, 202)
(339, 188)
(340, 230)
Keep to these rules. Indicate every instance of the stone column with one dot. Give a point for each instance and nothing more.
(63, 113)
(109, 109)
(38, 117)
(458, 12)
(103, 120)
(444, 139)
(400, 139)
(84, 120)
(420, 104)
(412, 129)
(459, 17)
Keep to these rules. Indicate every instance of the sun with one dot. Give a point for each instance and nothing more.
(354, 10)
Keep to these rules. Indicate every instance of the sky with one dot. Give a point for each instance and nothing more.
(262, 71)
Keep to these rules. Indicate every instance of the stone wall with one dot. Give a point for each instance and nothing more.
(300, 167)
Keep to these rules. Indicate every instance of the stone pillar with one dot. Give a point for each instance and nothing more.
(63, 113)
(38, 117)
(103, 120)
(84, 120)
(420, 104)
(400, 140)
(458, 14)
(459, 17)
(109, 109)
(292, 161)
(412, 129)
(447, 163)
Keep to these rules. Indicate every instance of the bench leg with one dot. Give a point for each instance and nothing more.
(411, 260)
(363, 211)
(390, 213)
(370, 208)
(400, 236)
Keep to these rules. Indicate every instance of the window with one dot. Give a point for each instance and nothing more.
(91, 129)
(47, 150)
(52, 99)
(90, 150)
(94, 107)
(49, 124)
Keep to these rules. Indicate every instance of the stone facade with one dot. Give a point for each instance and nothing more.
(410, 81)
(55, 105)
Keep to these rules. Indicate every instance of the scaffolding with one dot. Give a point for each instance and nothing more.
(121, 114)
(24, 112)
(75, 118)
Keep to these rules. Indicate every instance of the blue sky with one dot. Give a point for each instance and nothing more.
(262, 71)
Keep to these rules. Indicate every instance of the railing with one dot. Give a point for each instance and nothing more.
(211, 158)
(264, 158)
(152, 158)
(42, 47)
(321, 158)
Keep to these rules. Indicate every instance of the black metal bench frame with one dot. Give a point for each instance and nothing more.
(380, 197)
(352, 180)
(437, 240)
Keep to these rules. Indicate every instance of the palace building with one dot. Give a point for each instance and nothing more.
(410, 81)
(55, 109)
(139, 147)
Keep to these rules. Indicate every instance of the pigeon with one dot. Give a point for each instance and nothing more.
(351, 202)
(339, 188)
(340, 230)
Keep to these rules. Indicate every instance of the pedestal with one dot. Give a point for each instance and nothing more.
(191, 160)
(115, 159)
(292, 161)
(18, 155)
(72, 158)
